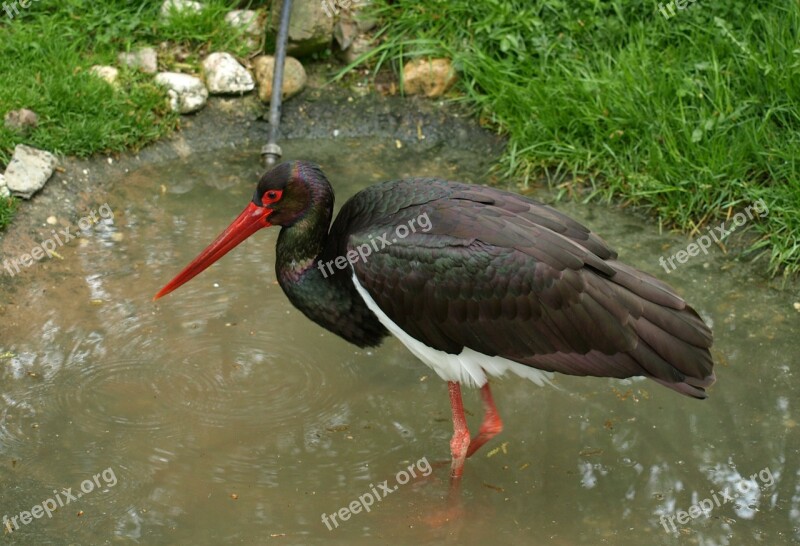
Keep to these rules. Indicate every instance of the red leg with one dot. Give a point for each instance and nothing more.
(460, 441)
(491, 426)
(453, 511)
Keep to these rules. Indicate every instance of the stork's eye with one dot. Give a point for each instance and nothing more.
(271, 196)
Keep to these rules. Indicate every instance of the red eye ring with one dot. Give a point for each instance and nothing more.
(271, 196)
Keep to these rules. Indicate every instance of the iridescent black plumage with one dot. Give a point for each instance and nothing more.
(496, 272)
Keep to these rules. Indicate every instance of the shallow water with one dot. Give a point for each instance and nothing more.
(219, 414)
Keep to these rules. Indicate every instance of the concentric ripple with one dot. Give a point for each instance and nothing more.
(245, 384)
(115, 393)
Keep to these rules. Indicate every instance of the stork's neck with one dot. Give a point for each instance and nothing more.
(300, 243)
(299, 246)
(330, 301)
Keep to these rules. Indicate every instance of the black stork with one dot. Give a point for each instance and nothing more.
(479, 282)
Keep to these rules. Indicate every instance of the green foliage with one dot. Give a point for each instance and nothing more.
(46, 52)
(691, 116)
(7, 207)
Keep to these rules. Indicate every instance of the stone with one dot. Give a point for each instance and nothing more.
(245, 20)
(224, 75)
(107, 73)
(350, 29)
(310, 27)
(365, 24)
(145, 60)
(360, 45)
(352, 10)
(29, 170)
(345, 31)
(332, 8)
(429, 77)
(3, 187)
(170, 7)
(187, 93)
(294, 77)
(22, 121)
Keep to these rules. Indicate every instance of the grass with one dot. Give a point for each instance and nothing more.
(45, 55)
(692, 117)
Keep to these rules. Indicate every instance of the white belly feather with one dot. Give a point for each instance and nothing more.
(468, 368)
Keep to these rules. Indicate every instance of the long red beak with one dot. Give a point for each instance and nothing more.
(248, 222)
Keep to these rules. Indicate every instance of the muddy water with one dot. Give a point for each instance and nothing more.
(221, 415)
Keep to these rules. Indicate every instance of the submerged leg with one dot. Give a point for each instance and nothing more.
(491, 426)
(460, 441)
(453, 511)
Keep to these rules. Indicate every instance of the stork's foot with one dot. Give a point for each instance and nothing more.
(461, 446)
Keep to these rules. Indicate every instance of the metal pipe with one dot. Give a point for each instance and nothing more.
(271, 151)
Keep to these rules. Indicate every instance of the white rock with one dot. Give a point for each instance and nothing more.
(246, 20)
(29, 170)
(187, 93)
(3, 188)
(145, 59)
(108, 73)
(224, 74)
(179, 6)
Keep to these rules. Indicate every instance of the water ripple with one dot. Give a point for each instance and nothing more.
(245, 384)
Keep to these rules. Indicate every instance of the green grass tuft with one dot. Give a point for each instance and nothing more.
(7, 207)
